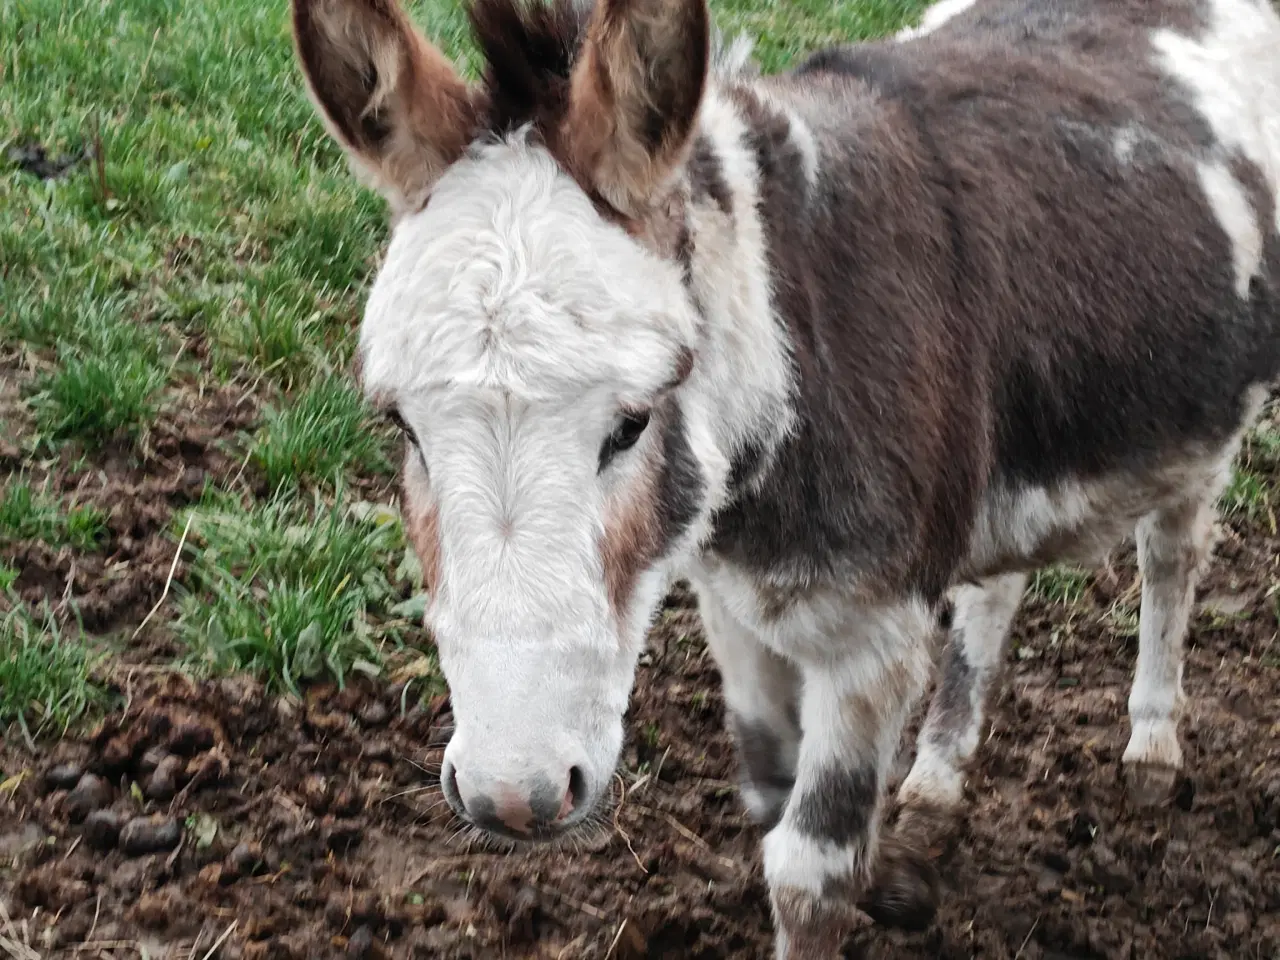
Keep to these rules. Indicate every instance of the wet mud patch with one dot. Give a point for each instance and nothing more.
(314, 827)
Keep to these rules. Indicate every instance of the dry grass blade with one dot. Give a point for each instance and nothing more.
(222, 939)
(13, 947)
(689, 835)
(616, 937)
(168, 581)
(17, 951)
(617, 824)
(586, 908)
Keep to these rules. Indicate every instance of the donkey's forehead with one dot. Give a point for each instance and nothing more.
(511, 280)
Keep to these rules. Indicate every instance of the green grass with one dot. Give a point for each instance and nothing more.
(1252, 495)
(96, 395)
(1059, 585)
(323, 433)
(30, 514)
(291, 591)
(46, 672)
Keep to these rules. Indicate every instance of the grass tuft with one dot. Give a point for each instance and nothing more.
(1059, 585)
(46, 672)
(323, 433)
(30, 514)
(1251, 495)
(290, 592)
(106, 385)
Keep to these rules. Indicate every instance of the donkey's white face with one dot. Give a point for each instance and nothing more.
(533, 352)
(534, 349)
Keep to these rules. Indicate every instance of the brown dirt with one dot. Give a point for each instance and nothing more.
(316, 829)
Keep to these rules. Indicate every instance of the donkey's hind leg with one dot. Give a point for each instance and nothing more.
(1173, 543)
(931, 795)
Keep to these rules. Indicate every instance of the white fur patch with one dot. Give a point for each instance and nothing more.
(1081, 522)
(1233, 74)
(742, 381)
(732, 58)
(510, 280)
(1236, 217)
(934, 17)
(1126, 140)
(797, 861)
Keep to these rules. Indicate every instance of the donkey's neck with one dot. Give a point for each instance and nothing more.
(750, 144)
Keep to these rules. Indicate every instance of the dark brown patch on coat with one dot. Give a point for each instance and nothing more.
(952, 707)
(848, 486)
(706, 177)
(838, 804)
(760, 754)
(655, 514)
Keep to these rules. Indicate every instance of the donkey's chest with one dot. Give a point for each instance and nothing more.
(795, 616)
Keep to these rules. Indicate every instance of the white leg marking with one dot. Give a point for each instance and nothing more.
(970, 667)
(1172, 544)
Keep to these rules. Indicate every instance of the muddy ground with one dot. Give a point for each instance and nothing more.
(210, 815)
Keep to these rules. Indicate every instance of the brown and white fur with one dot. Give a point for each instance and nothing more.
(918, 315)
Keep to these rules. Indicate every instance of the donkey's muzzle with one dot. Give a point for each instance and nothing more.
(533, 811)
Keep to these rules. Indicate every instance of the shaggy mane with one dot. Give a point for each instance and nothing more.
(529, 48)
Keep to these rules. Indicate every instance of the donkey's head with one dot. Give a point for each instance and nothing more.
(531, 330)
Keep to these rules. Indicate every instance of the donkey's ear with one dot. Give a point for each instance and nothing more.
(386, 93)
(634, 96)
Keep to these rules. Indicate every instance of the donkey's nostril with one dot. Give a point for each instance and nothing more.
(511, 807)
(574, 793)
(449, 787)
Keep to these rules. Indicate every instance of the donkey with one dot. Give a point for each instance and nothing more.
(919, 314)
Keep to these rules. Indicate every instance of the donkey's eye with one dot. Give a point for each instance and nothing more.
(624, 436)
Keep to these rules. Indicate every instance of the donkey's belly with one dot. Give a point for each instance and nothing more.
(1081, 522)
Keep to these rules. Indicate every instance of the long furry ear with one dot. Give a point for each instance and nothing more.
(394, 101)
(634, 96)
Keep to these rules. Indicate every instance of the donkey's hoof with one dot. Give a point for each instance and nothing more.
(930, 828)
(906, 889)
(1149, 784)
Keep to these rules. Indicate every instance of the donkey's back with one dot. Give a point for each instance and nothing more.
(1050, 232)
(1114, 172)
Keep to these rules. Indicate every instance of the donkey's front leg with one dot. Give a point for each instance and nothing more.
(761, 693)
(856, 696)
